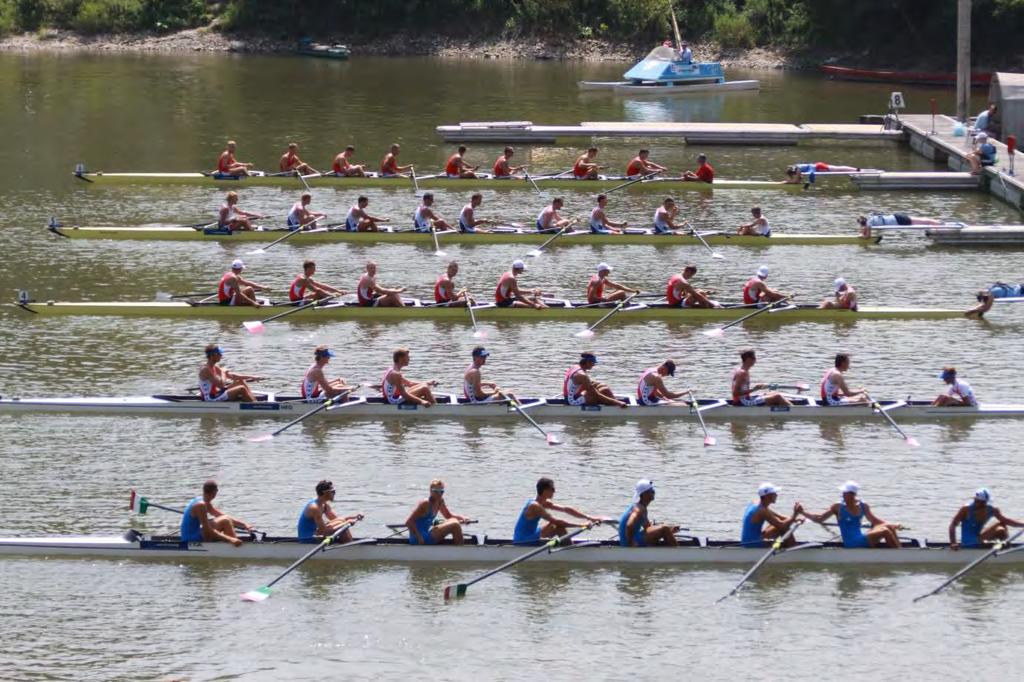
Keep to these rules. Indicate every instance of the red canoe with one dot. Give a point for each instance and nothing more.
(978, 80)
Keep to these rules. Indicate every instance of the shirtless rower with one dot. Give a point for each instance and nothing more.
(233, 218)
(217, 384)
(457, 166)
(507, 293)
(651, 390)
(641, 165)
(579, 389)
(665, 216)
(889, 219)
(986, 299)
(850, 514)
(845, 297)
(502, 165)
(424, 219)
(758, 227)
(549, 220)
(759, 512)
(468, 222)
(681, 294)
(291, 163)
(228, 165)
(358, 220)
(202, 522)
(528, 529)
(233, 289)
(959, 393)
(474, 388)
(319, 520)
(744, 394)
(301, 216)
(704, 172)
(756, 292)
(423, 530)
(973, 518)
(315, 383)
(599, 221)
(834, 390)
(636, 529)
(306, 289)
(585, 167)
(344, 167)
(370, 294)
(795, 173)
(389, 167)
(599, 282)
(397, 389)
(445, 292)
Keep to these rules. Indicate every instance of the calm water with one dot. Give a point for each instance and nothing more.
(126, 620)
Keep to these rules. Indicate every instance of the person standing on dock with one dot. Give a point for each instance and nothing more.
(389, 167)
(502, 166)
(640, 165)
(396, 389)
(599, 222)
(598, 282)
(651, 389)
(834, 390)
(756, 292)
(228, 165)
(457, 166)
(972, 519)
(202, 522)
(291, 163)
(528, 529)
(358, 220)
(586, 166)
(424, 219)
(850, 513)
(370, 294)
(474, 388)
(664, 218)
(959, 393)
(758, 227)
(217, 384)
(704, 172)
(319, 520)
(744, 394)
(636, 529)
(444, 289)
(343, 166)
(579, 389)
(305, 289)
(315, 383)
(423, 530)
(550, 220)
(231, 217)
(468, 222)
(679, 293)
(845, 297)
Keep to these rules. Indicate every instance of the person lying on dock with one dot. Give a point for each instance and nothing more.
(233, 218)
(845, 297)
(597, 284)
(389, 167)
(358, 220)
(959, 393)
(301, 216)
(423, 530)
(217, 384)
(704, 172)
(343, 166)
(759, 512)
(305, 289)
(983, 154)
(636, 529)
(756, 292)
(796, 172)
(881, 220)
(586, 166)
(468, 222)
(579, 389)
(758, 227)
(746, 395)
(850, 515)
(550, 220)
(291, 163)
(424, 219)
(599, 222)
(315, 383)
(528, 529)
(202, 522)
(640, 166)
(457, 166)
(318, 519)
(445, 292)
(371, 294)
(228, 165)
(396, 389)
(679, 293)
(474, 388)
(665, 216)
(651, 389)
(507, 293)
(972, 519)
(502, 166)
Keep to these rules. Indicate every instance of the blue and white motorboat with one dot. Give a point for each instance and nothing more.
(662, 73)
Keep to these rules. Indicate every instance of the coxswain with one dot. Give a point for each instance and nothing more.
(758, 227)
(217, 384)
(680, 293)
(665, 216)
(315, 383)
(228, 165)
(585, 167)
(598, 283)
(636, 529)
(233, 218)
(424, 219)
(759, 512)
(291, 163)
(756, 292)
(306, 289)
(457, 166)
(319, 520)
(389, 167)
(892, 219)
(528, 529)
(468, 222)
(397, 389)
(370, 294)
(844, 298)
(474, 388)
(795, 173)
(202, 522)
(973, 519)
(651, 390)
(445, 292)
(358, 220)
(744, 394)
(422, 528)
(507, 293)
(850, 515)
(549, 220)
(502, 166)
(233, 289)
(343, 166)
(704, 172)
(599, 221)
(640, 166)
(300, 216)
(579, 389)
(834, 390)
(959, 393)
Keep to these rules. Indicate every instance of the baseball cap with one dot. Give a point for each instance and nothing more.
(518, 265)
(766, 489)
(214, 351)
(981, 136)
(604, 267)
(839, 283)
(642, 486)
(983, 494)
(850, 487)
(237, 264)
(671, 367)
(762, 271)
(588, 357)
(325, 353)
(947, 372)
(480, 352)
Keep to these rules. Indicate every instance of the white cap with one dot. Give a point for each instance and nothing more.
(762, 271)
(518, 265)
(767, 489)
(981, 136)
(237, 264)
(850, 487)
(642, 486)
(983, 494)
(839, 283)
(604, 267)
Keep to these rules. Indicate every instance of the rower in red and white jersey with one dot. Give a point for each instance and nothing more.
(744, 394)
(598, 283)
(507, 293)
(304, 288)
(425, 219)
(358, 220)
(845, 297)
(474, 388)
(834, 390)
(344, 167)
(217, 384)
(233, 218)
(468, 222)
(756, 292)
(502, 166)
(301, 216)
(315, 383)
(579, 389)
(389, 167)
(228, 165)
(640, 165)
(758, 227)
(445, 292)
(550, 220)
(585, 167)
(665, 216)
(457, 166)
(651, 390)
(370, 294)
(959, 393)
(681, 294)
(233, 289)
(291, 163)
(599, 221)
(397, 389)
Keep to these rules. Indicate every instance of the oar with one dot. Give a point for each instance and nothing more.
(437, 246)
(709, 440)
(415, 183)
(536, 252)
(257, 326)
(632, 182)
(910, 440)
(165, 296)
(263, 593)
(700, 238)
(799, 388)
(775, 549)
(589, 331)
(518, 407)
(996, 549)
(720, 331)
(320, 408)
(477, 332)
(139, 504)
(529, 178)
(459, 590)
(291, 233)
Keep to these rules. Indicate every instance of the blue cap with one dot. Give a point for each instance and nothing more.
(327, 352)
(947, 372)
(214, 351)
(585, 357)
(481, 352)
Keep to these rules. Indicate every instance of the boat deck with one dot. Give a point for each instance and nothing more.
(931, 181)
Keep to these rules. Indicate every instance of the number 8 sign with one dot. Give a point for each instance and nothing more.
(896, 101)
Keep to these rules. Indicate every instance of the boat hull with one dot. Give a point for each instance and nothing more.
(978, 79)
(668, 88)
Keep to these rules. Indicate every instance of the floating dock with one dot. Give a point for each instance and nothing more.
(929, 180)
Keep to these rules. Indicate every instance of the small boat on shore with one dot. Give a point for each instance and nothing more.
(662, 73)
(308, 48)
(845, 73)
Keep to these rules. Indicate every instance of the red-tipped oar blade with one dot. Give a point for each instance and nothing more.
(262, 438)
(253, 326)
(553, 440)
(710, 441)
(912, 442)
(454, 591)
(585, 334)
(480, 334)
(717, 332)
(262, 594)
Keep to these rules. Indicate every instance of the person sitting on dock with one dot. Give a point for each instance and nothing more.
(528, 530)
(746, 395)
(892, 219)
(343, 166)
(664, 218)
(444, 289)
(457, 166)
(389, 167)
(959, 393)
(424, 219)
(315, 383)
(371, 294)
(474, 388)
(758, 227)
(585, 167)
(795, 173)
(291, 163)
(228, 165)
(972, 519)
(468, 222)
(599, 222)
(507, 293)
(318, 519)
(636, 529)
(704, 172)
(641, 166)
(983, 154)
(300, 216)
(422, 528)
(233, 218)
(651, 389)
(233, 289)
(756, 292)
(850, 514)
(834, 390)
(502, 165)
(759, 512)
(396, 389)
(549, 220)
(845, 297)
(597, 284)
(579, 389)
(217, 384)
(358, 220)
(679, 293)
(305, 289)
(202, 522)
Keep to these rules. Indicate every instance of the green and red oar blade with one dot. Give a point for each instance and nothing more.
(257, 595)
(455, 591)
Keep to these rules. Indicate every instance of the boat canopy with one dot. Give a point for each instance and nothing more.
(1007, 90)
(661, 65)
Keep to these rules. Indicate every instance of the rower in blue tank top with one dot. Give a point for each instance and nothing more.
(636, 529)
(318, 518)
(423, 531)
(850, 515)
(972, 519)
(759, 512)
(191, 530)
(528, 529)
(202, 522)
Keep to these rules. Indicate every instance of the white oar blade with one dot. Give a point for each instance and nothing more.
(163, 296)
(717, 255)
(262, 594)
(535, 253)
(710, 441)
(553, 440)
(261, 439)
(440, 254)
(257, 252)
(717, 332)
(912, 442)
(254, 326)
(585, 334)
(480, 334)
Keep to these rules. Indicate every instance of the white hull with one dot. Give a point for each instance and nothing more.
(630, 88)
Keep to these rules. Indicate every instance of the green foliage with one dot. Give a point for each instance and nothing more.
(171, 15)
(29, 14)
(734, 29)
(8, 17)
(107, 16)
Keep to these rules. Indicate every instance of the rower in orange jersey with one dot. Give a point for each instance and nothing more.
(507, 293)
(599, 282)
(233, 289)
(679, 293)
(640, 165)
(704, 172)
(228, 165)
(445, 292)
(756, 292)
(845, 296)
(370, 294)
(344, 167)
(503, 167)
(586, 166)
(306, 289)
(457, 166)
(389, 167)
(291, 163)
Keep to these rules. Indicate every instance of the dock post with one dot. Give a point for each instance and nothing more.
(963, 60)
(1011, 147)
(933, 115)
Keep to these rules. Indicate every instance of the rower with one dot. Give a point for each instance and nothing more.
(845, 297)
(986, 299)
(599, 221)
(425, 220)
(301, 216)
(664, 218)
(233, 218)
(202, 522)
(959, 393)
(641, 165)
(759, 512)
(503, 168)
(972, 518)
(217, 384)
(549, 220)
(457, 166)
(291, 163)
(704, 172)
(756, 292)
(397, 389)
(315, 384)
(585, 167)
(319, 520)
(528, 530)
(743, 393)
(305, 289)
(599, 282)
(370, 294)
(474, 388)
(444, 289)
(651, 390)
(758, 227)
(343, 166)
(423, 530)
(228, 165)
(850, 514)
(468, 222)
(389, 167)
(579, 389)
(636, 530)
(795, 173)
(890, 219)
(507, 293)
(679, 293)
(233, 289)
(358, 220)
(834, 390)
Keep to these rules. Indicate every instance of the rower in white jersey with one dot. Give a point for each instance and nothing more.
(744, 394)
(468, 222)
(315, 383)
(549, 220)
(301, 216)
(758, 227)
(398, 390)
(599, 222)
(372, 295)
(474, 388)
(651, 390)
(834, 390)
(217, 384)
(528, 529)
(358, 220)
(232, 218)
(425, 219)
(664, 218)
(959, 393)
(579, 389)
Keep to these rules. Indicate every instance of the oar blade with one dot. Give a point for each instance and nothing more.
(535, 253)
(261, 594)
(257, 252)
(164, 296)
(440, 254)
(254, 326)
(585, 334)
(262, 438)
(553, 439)
(454, 591)
(480, 334)
(717, 256)
(710, 441)
(912, 442)
(717, 332)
